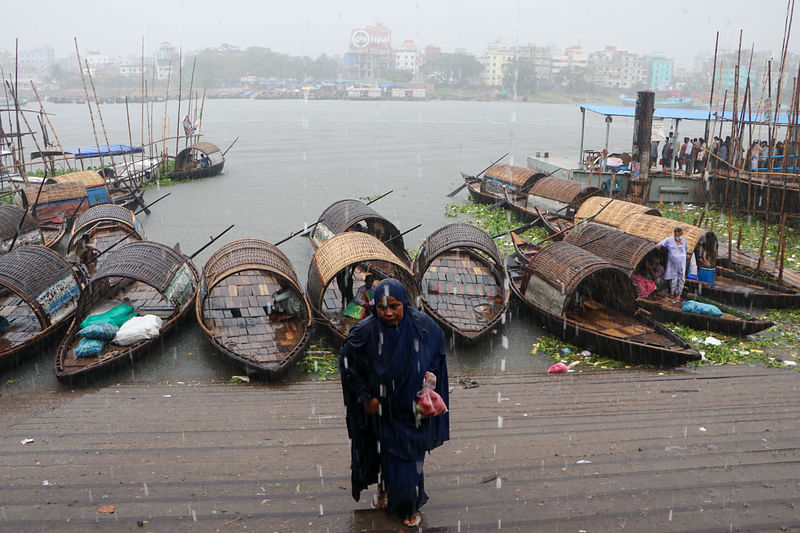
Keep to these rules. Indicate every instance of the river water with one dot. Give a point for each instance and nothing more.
(292, 159)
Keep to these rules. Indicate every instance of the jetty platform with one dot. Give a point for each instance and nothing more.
(709, 449)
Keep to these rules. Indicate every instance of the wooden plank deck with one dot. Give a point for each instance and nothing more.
(712, 449)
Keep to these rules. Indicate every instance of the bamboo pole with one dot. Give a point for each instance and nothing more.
(730, 237)
(102, 122)
(41, 106)
(782, 249)
(180, 90)
(16, 106)
(165, 120)
(189, 111)
(739, 240)
(89, 103)
(27, 125)
(711, 96)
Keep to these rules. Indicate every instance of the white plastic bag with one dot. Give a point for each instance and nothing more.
(692, 274)
(137, 329)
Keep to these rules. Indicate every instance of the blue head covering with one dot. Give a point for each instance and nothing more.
(391, 287)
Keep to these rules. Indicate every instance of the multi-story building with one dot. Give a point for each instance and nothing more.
(407, 58)
(660, 72)
(495, 58)
(573, 57)
(619, 69)
(370, 52)
(166, 60)
(37, 59)
(542, 58)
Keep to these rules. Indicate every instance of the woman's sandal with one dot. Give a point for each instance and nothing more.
(413, 520)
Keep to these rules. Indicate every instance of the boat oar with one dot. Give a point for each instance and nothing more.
(25, 213)
(296, 233)
(587, 219)
(93, 259)
(308, 228)
(379, 197)
(458, 189)
(229, 147)
(390, 239)
(498, 203)
(148, 206)
(206, 245)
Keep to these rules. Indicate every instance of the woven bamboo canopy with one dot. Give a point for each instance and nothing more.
(186, 154)
(150, 262)
(87, 178)
(656, 229)
(348, 249)
(10, 218)
(614, 214)
(248, 254)
(517, 177)
(562, 273)
(347, 215)
(43, 279)
(563, 190)
(618, 248)
(454, 236)
(104, 213)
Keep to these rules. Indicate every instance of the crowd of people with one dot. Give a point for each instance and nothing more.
(693, 156)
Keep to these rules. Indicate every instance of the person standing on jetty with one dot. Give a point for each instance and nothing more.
(383, 364)
(676, 262)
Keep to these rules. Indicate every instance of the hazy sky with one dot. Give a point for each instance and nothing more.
(678, 28)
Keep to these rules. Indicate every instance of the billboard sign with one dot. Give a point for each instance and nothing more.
(371, 38)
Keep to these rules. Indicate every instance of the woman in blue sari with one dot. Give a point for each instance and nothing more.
(383, 363)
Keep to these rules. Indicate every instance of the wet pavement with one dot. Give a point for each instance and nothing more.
(708, 449)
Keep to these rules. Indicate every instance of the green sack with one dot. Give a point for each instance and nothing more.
(117, 316)
(353, 310)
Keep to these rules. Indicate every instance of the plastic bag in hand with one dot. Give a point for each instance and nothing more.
(429, 402)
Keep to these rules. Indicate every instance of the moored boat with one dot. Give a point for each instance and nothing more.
(199, 160)
(630, 253)
(355, 215)
(462, 280)
(590, 302)
(150, 277)
(39, 292)
(252, 308)
(610, 212)
(352, 255)
(726, 286)
(490, 188)
(18, 229)
(104, 226)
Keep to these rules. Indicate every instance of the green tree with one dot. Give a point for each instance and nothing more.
(453, 70)
(397, 76)
(520, 74)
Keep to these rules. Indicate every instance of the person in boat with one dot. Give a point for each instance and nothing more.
(676, 261)
(654, 271)
(365, 296)
(383, 363)
(344, 280)
(84, 251)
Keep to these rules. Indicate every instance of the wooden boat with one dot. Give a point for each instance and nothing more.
(10, 231)
(462, 280)
(200, 160)
(556, 198)
(355, 254)
(610, 212)
(355, 215)
(744, 262)
(630, 254)
(490, 188)
(106, 225)
(39, 293)
(153, 278)
(729, 287)
(241, 308)
(589, 302)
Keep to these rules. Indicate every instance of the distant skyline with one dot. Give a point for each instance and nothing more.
(680, 29)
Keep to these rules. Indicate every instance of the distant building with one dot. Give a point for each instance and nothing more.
(369, 52)
(573, 56)
(660, 72)
(407, 58)
(131, 67)
(166, 59)
(493, 60)
(97, 61)
(542, 58)
(618, 69)
(37, 59)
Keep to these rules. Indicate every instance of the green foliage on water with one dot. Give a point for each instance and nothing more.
(561, 351)
(494, 222)
(321, 360)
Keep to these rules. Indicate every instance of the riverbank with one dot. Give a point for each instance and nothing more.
(705, 449)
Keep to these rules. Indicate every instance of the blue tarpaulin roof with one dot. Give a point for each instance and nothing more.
(675, 113)
(88, 152)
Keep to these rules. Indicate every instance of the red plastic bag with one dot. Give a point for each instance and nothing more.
(429, 402)
(558, 368)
